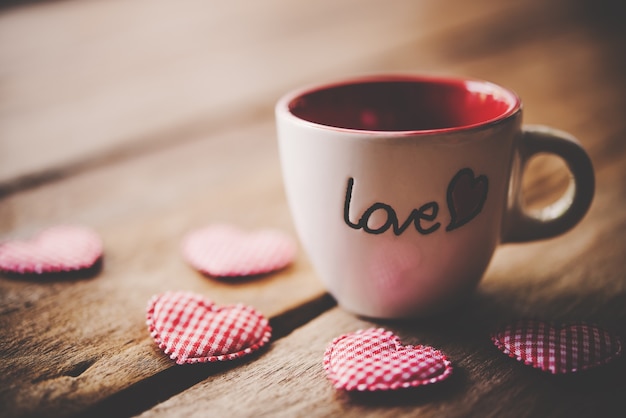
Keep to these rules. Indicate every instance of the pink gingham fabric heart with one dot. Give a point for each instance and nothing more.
(557, 349)
(375, 359)
(192, 329)
(226, 251)
(57, 249)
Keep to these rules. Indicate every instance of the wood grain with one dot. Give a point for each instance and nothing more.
(145, 119)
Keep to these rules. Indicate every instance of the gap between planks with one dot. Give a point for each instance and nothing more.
(145, 394)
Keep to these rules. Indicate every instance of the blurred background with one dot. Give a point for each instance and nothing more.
(86, 82)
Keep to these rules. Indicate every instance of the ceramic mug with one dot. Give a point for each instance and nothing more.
(402, 186)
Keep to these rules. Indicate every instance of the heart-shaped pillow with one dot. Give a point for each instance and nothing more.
(192, 329)
(375, 359)
(56, 249)
(557, 349)
(226, 251)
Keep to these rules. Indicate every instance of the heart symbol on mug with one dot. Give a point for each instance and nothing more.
(375, 359)
(466, 196)
(558, 349)
(192, 329)
(56, 249)
(226, 251)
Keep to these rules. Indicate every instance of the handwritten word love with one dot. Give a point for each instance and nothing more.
(465, 198)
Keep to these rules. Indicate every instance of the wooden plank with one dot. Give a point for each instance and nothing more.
(67, 344)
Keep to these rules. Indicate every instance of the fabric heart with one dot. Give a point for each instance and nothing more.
(226, 251)
(557, 349)
(56, 249)
(375, 359)
(466, 196)
(192, 329)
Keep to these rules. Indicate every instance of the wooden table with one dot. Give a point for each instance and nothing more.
(146, 119)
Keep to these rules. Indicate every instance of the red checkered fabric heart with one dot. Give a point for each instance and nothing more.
(226, 251)
(375, 359)
(56, 249)
(557, 349)
(192, 329)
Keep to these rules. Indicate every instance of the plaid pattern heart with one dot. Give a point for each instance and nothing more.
(57, 249)
(226, 251)
(192, 329)
(557, 349)
(375, 359)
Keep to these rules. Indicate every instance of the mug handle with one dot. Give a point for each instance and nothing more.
(558, 217)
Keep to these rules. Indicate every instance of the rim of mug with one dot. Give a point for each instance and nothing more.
(515, 104)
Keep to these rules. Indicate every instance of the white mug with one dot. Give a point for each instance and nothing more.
(402, 186)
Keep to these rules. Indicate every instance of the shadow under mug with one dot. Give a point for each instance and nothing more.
(402, 186)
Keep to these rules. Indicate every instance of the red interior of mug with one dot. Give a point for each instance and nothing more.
(405, 104)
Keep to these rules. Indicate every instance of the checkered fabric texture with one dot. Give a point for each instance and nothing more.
(558, 349)
(226, 251)
(375, 359)
(56, 249)
(192, 329)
